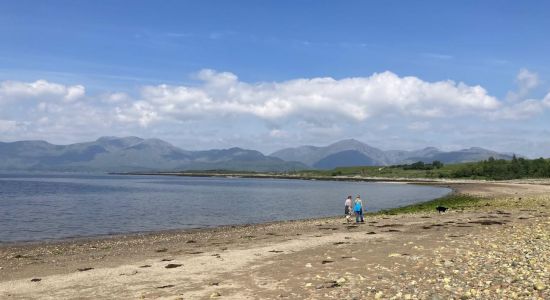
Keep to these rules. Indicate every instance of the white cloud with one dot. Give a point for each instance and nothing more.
(519, 111)
(40, 89)
(74, 93)
(117, 97)
(526, 81)
(359, 98)
(49, 108)
(141, 112)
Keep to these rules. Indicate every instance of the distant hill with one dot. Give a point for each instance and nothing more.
(351, 152)
(310, 155)
(348, 158)
(126, 154)
(466, 155)
(114, 154)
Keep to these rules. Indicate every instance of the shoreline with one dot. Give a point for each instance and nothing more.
(314, 258)
(146, 234)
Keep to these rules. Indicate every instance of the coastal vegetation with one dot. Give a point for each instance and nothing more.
(452, 201)
(491, 169)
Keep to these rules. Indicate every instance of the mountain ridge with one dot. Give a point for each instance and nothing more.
(131, 153)
(331, 155)
(126, 154)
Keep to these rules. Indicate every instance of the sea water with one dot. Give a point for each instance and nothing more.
(36, 207)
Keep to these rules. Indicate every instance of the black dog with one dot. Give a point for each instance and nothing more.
(441, 209)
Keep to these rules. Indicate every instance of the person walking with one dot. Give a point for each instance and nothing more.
(358, 209)
(347, 208)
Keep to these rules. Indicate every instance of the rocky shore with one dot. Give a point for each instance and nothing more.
(498, 248)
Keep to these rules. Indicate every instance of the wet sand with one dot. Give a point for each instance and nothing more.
(498, 249)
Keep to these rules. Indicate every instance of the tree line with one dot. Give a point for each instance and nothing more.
(420, 165)
(500, 169)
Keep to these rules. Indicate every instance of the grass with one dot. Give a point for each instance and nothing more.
(452, 201)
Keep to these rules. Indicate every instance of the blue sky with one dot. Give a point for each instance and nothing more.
(255, 74)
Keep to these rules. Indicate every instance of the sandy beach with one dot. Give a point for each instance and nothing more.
(496, 249)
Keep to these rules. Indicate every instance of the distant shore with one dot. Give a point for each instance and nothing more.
(269, 176)
(299, 177)
(316, 258)
(228, 174)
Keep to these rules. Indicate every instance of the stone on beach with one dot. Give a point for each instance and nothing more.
(171, 266)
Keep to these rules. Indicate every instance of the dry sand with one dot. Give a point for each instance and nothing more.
(498, 250)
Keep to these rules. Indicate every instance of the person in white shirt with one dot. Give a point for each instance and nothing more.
(347, 208)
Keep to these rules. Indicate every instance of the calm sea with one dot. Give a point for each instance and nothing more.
(51, 206)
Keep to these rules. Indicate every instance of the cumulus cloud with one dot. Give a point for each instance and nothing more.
(523, 110)
(359, 98)
(139, 112)
(526, 81)
(40, 89)
(74, 93)
(314, 100)
(519, 111)
(117, 97)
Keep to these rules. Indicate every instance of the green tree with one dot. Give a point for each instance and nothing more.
(437, 164)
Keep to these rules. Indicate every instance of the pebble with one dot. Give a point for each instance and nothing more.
(539, 286)
(331, 284)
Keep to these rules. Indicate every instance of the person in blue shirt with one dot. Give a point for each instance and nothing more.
(358, 209)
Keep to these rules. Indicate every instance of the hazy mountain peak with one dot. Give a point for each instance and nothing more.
(311, 155)
(236, 149)
(156, 142)
(106, 138)
(478, 149)
(113, 143)
(348, 142)
(113, 138)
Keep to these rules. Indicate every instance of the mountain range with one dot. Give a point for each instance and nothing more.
(126, 154)
(113, 154)
(351, 152)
